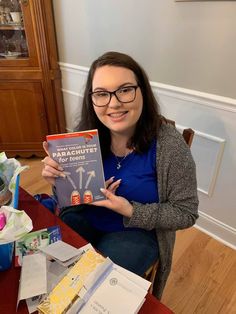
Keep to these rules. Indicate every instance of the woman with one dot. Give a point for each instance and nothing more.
(151, 181)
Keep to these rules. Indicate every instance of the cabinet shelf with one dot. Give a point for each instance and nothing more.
(11, 27)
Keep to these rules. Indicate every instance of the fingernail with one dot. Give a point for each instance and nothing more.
(43, 160)
(60, 168)
(62, 175)
(102, 190)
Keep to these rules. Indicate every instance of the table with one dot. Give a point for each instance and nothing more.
(42, 217)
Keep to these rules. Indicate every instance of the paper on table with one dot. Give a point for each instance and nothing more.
(55, 273)
(66, 291)
(91, 283)
(141, 282)
(104, 269)
(61, 251)
(73, 260)
(115, 295)
(96, 278)
(33, 280)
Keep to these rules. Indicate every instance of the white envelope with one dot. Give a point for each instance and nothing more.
(55, 273)
(33, 279)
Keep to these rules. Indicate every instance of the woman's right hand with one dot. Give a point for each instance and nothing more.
(51, 169)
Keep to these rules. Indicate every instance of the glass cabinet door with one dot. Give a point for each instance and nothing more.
(16, 33)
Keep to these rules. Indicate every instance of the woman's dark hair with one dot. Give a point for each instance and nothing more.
(149, 122)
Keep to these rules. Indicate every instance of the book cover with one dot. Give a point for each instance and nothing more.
(79, 155)
(33, 241)
(65, 293)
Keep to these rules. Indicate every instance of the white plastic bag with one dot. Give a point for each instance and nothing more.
(10, 169)
(18, 224)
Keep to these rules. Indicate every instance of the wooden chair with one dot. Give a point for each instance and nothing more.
(188, 135)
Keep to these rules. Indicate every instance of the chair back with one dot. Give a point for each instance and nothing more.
(188, 134)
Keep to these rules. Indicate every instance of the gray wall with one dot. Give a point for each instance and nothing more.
(186, 44)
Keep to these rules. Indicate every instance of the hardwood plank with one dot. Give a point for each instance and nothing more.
(31, 179)
(202, 279)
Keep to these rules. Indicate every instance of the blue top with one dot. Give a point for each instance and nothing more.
(138, 183)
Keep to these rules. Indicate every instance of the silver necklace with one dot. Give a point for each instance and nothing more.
(119, 162)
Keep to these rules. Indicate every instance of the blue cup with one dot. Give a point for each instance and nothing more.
(6, 253)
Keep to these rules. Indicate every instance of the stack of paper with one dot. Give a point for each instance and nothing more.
(111, 289)
(66, 291)
(116, 294)
(39, 276)
(92, 285)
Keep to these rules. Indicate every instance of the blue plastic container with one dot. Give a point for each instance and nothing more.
(6, 252)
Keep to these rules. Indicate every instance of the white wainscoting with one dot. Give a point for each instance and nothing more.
(211, 146)
(213, 119)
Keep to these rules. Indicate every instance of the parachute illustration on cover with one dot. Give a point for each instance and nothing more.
(79, 155)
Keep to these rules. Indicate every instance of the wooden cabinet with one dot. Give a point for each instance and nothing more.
(31, 103)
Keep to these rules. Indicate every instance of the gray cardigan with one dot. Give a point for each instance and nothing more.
(178, 200)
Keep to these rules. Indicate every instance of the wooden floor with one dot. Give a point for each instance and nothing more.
(203, 277)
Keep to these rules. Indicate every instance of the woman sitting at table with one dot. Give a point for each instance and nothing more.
(150, 173)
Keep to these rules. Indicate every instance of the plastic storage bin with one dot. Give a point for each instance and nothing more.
(6, 253)
(6, 250)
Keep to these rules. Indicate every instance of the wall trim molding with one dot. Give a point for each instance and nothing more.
(221, 142)
(73, 67)
(217, 230)
(205, 99)
(70, 92)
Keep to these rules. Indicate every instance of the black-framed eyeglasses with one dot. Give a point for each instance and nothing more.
(123, 94)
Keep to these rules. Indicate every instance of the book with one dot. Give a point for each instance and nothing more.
(33, 241)
(79, 155)
(116, 294)
(111, 289)
(65, 293)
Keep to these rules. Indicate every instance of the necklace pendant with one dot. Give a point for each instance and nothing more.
(118, 166)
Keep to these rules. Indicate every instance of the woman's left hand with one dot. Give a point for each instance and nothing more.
(116, 203)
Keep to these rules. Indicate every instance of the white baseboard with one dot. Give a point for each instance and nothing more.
(217, 230)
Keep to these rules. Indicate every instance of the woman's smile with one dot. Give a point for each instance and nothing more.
(117, 116)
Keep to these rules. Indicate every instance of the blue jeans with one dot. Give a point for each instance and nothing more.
(135, 250)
